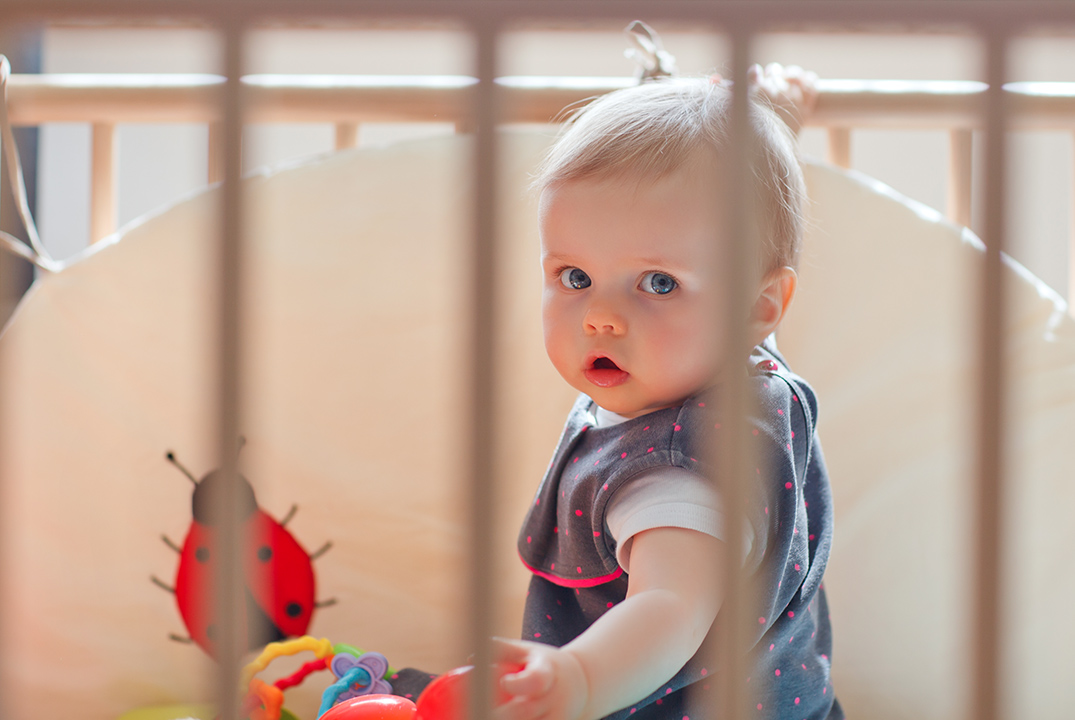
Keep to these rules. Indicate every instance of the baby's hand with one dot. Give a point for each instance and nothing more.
(551, 684)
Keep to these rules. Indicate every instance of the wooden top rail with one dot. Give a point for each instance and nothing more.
(124, 98)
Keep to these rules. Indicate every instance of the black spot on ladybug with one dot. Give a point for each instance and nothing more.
(202, 554)
(293, 609)
(264, 553)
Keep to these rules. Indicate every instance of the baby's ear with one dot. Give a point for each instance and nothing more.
(774, 297)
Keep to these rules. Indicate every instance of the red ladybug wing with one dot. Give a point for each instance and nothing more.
(193, 584)
(279, 575)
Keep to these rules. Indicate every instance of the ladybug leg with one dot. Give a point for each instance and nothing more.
(172, 545)
(161, 584)
(321, 551)
(180, 639)
(290, 514)
(325, 603)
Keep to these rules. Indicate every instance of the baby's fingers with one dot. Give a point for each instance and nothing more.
(534, 679)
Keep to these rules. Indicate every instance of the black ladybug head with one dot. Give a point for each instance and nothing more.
(205, 503)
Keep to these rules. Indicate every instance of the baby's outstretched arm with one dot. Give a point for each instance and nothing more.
(672, 599)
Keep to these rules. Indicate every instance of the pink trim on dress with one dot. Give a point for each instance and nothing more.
(564, 582)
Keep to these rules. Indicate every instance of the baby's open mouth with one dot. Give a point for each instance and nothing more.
(603, 363)
(603, 372)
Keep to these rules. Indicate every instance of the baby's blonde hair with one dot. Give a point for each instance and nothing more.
(653, 129)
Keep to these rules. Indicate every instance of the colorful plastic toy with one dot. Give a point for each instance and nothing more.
(361, 690)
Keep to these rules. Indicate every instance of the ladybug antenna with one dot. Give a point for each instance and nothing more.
(172, 459)
(242, 444)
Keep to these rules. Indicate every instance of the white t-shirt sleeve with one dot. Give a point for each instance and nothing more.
(665, 496)
(662, 497)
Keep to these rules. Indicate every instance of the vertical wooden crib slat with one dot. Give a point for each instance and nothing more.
(483, 439)
(228, 602)
(215, 166)
(960, 146)
(103, 182)
(987, 630)
(346, 135)
(733, 461)
(840, 146)
(7, 301)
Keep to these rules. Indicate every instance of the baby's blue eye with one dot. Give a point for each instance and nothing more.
(574, 279)
(658, 283)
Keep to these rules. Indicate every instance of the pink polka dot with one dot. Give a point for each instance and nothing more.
(717, 426)
(660, 702)
(754, 431)
(645, 428)
(394, 676)
(761, 621)
(759, 706)
(701, 404)
(408, 695)
(704, 672)
(812, 536)
(552, 566)
(795, 398)
(605, 486)
(778, 672)
(579, 513)
(804, 666)
(548, 617)
(677, 428)
(792, 434)
(537, 635)
(824, 656)
(791, 613)
(796, 701)
(578, 569)
(789, 448)
(798, 567)
(773, 645)
(633, 711)
(528, 538)
(668, 691)
(824, 691)
(596, 534)
(791, 640)
(575, 460)
(623, 455)
(556, 529)
(609, 605)
(538, 501)
(779, 412)
(787, 485)
(766, 510)
(595, 462)
(650, 450)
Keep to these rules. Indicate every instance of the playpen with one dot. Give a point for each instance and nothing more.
(478, 105)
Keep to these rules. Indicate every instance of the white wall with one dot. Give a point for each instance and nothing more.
(162, 162)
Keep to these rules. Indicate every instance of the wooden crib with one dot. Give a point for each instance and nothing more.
(476, 105)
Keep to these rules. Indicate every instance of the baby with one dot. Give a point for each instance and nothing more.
(623, 531)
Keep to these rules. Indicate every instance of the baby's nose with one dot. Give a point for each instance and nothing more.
(602, 319)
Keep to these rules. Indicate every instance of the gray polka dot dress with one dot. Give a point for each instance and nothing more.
(576, 578)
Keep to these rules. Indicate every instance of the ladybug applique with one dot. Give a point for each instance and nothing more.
(278, 572)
